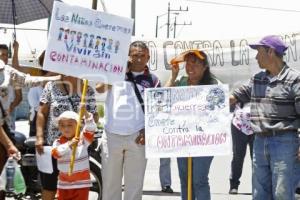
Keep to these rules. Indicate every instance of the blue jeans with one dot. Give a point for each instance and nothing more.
(239, 148)
(165, 172)
(200, 185)
(275, 165)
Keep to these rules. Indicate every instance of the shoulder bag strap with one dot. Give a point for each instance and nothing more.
(136, 90)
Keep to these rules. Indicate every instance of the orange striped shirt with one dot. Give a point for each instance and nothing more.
(80, 178)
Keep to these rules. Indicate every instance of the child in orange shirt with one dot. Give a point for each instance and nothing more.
(76, 186)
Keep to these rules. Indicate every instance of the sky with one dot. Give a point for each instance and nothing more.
(210, 19)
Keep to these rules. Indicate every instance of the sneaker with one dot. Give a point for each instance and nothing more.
(167, 189)
(233, 191)
(297, 190)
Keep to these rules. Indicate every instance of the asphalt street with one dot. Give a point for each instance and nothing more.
(219, 178)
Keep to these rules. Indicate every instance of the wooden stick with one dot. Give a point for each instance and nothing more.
(190, 174)
(77, 134)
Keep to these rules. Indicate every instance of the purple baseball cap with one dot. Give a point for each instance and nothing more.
(273, 42)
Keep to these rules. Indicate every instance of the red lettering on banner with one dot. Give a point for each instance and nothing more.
(53, 55)
(84, 62)
(173, 141)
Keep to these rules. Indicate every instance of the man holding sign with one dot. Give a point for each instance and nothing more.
(123, 147)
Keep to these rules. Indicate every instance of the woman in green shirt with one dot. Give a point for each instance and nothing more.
(197, 73)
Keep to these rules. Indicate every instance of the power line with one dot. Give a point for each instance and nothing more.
(24, 29)
(245, 6)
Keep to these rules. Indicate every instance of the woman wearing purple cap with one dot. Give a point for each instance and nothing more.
(274, 94)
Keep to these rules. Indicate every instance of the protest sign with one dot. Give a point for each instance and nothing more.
(88, 44)
(187, 121)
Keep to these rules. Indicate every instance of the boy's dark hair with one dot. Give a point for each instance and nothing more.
(4, 46)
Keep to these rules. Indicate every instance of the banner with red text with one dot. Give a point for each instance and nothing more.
(88, 44)
(187, 121)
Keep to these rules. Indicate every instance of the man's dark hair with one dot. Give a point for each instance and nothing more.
(139, 44)
(4, 46)
(276, 53)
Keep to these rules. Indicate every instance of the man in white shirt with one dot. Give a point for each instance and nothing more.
(123, 147)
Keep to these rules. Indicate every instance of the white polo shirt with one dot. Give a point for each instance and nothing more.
(123, 112)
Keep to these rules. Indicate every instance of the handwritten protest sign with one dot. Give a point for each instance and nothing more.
(88, 44)
(187, 121)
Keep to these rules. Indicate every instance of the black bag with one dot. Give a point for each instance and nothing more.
(5, 126)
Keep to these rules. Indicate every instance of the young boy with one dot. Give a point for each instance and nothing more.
(75, 186)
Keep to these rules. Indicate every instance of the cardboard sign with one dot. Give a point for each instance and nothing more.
(187, 121)
(88, 44)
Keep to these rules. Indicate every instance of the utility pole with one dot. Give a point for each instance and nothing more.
(156, 29)
(133, 15)
(94, 4)
(184, 24)
(175, 27)
(168, 22)
(173, 10)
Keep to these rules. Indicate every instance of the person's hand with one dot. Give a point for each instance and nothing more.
(101, 87)
(175, 71)
(87, 115)
(16, 45)
(141, 137)
(39, 145)
(12, 151)
(73, 142)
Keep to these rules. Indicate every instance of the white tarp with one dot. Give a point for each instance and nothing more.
(89, 44)
(232, 61)
(187, 121)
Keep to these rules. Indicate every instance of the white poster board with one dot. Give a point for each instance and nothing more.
(187, 121)
(88, 44)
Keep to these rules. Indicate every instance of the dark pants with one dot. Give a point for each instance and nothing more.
(3, 158)
(32, 126)
(239, 148)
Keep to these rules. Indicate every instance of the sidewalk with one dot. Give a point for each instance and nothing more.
(219, 177)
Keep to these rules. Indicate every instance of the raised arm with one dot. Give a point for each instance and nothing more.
(242, 94)
(102, 88)
(15, 59)
(172, 79)
(19, 79)
(17, 100)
